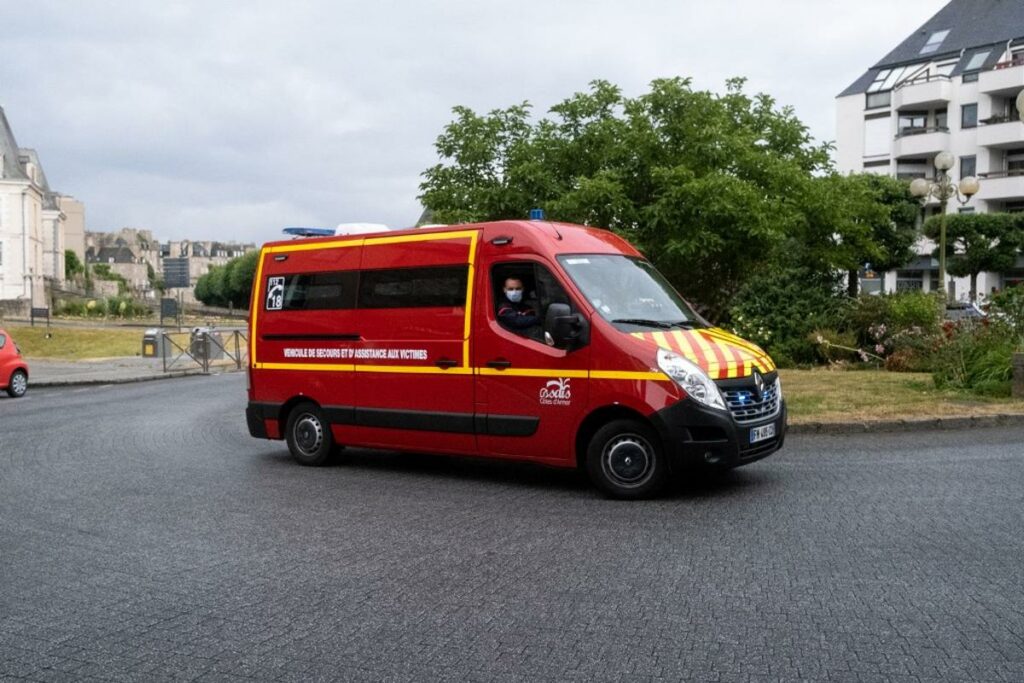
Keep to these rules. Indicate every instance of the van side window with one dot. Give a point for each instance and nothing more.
(443, 286)
(320, 291)
(3, 340)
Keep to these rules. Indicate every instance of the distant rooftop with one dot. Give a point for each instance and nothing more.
(956, 30)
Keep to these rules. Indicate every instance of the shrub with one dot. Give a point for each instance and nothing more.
(902, 328)
(781, 309)
(976, 357)
(1008, 306)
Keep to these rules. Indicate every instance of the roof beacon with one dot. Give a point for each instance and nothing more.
(309, 232)
(536, 214)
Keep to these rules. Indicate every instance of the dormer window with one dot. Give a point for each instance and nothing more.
(934, 42)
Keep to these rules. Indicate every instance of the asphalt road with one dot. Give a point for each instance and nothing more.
(144, 535)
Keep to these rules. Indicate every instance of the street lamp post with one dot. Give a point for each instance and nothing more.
(943, 189)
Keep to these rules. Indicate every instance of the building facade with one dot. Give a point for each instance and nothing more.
(952, 86)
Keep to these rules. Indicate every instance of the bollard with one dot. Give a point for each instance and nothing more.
(1018, 375)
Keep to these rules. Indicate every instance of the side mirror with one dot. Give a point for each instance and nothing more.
(564, 329)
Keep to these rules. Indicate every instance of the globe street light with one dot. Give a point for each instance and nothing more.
(943, 189)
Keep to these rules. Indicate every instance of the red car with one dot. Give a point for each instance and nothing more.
(13, 370)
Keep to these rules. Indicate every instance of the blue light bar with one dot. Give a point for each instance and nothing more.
(536, 214)
(309, 232)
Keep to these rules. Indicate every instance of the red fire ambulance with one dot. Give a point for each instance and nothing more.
(394, 340)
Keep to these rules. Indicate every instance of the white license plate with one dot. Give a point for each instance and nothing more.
(762, 433)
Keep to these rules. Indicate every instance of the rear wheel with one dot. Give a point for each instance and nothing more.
(18, 384)
(309, 435)
(625, 460)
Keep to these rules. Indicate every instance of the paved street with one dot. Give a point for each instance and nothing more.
(144, 535)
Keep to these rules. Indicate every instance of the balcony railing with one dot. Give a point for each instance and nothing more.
(1018, 60)
(1003, 174)
(996, 119)
(924, 78)
(906, 132)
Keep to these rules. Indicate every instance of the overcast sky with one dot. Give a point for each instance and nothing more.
(218, 120)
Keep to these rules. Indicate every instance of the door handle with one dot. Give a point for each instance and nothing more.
(445, 363)
(499, 363)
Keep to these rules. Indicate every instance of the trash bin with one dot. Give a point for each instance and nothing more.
(206, 343)
(153, 343)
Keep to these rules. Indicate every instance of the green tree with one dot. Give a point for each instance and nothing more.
(72, 265)
(978, 242)
(230, 284)
(708, 185)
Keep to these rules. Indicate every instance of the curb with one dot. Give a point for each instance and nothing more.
(909, 425)
(123, 380)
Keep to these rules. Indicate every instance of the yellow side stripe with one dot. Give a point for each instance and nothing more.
(491, 372)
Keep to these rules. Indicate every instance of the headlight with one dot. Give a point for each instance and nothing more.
(691, 378)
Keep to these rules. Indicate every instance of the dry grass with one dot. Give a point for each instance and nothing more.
(77, 343)
(862, 395)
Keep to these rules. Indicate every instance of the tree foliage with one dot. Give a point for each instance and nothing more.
(72, 264)
(978, 242)
(230, 284)
(712, 187)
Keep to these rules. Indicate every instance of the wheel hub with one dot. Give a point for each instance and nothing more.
(309, 434)
(628, 459)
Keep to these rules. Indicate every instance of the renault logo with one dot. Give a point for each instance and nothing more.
(758, 383)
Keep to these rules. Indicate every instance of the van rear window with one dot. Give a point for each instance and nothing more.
(318, 291)
(413, 287)
(443, 286)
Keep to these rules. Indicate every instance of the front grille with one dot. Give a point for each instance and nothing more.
(746, 407)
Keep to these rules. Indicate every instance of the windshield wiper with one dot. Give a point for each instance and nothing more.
(660, 324)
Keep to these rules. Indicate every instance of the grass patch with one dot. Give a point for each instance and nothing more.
(77, 343)
(824, 395)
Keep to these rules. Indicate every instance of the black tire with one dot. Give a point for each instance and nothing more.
(17, 385)
(309, 435)
(625, 460)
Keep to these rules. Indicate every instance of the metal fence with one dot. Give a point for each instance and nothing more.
(205, 348)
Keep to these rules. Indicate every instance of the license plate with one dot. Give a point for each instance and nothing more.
(762, 433)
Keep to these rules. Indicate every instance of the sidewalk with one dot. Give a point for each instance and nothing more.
(61, 373)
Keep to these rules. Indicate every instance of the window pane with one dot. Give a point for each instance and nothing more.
(934, 41)
(3, 341)
(318, 291)
(977, 60)
(968, 165)
(941, 119)
(414, 287)
(876, 100)
(969, 116)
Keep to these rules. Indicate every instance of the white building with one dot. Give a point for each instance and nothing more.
(951, 86)
(22, 238)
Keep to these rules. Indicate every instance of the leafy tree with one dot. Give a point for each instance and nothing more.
(978, 242)
(708, 185)
(230, 284)
(72, 264)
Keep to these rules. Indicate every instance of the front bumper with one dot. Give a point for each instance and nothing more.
(694, 434)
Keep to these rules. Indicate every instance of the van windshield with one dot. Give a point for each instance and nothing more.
(629, 291)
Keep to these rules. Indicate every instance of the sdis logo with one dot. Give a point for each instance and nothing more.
(557, 392)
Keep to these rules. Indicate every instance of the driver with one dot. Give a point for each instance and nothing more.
(513, 312)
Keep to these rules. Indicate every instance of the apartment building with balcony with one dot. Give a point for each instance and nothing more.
(952, 86)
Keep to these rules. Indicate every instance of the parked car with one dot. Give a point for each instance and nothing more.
(13, 369)
(968, 311)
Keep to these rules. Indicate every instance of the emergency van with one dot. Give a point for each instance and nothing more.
(394, 341)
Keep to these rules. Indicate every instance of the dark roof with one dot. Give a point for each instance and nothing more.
(118, 254)
(50, 198)
(971, 24)
(9, 149)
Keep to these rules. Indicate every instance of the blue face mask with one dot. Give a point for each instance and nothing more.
(514, 295)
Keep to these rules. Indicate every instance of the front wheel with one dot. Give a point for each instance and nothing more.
(18, 384)
(309, 435)
(625, 460)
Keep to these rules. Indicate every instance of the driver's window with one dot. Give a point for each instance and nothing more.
(522, 293)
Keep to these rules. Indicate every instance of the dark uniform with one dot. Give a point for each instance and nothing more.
(518, 317)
